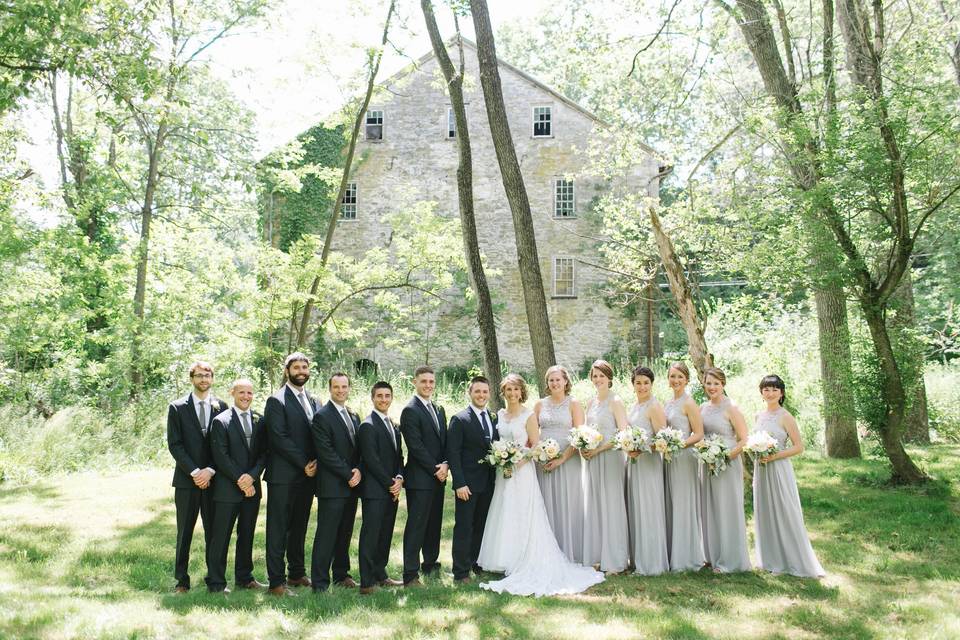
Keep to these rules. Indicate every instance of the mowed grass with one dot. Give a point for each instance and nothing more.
(91, 556)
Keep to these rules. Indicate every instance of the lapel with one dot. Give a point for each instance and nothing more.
(335, 413)
(192, 413)
(236, 425)
(291, 398)
(477, 425)
(434, 427)
(390, 432)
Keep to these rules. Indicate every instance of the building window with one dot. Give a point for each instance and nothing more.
(563, 200)
(348, 206)
(451, 124)
(542, 122)
(563, 278)
(374, 128)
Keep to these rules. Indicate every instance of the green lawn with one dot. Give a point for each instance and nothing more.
(91, 556)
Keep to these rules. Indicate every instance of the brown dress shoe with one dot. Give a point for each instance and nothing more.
(299, 582)
(390, 583)
(413, 584)
(347, 583)
(253, 584)
(365, 591)
(281, 590)
(181, 589)
(463, 580)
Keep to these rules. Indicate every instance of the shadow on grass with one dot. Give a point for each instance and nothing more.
(38, 492)
(28, 548)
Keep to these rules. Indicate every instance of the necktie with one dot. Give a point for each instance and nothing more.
(349, 421)
(305, 405)
(203, 416)
(393, 434)
(433, 414)
(247, 428)
(486, 425)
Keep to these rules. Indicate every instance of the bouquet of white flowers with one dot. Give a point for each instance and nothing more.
(630, 440)
(545, 451)
(712, 451)
(760, 444)
(585, 438)
(667, 442)
(505, 454)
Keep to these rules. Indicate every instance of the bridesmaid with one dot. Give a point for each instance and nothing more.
(684, 537)
(645, 501)
(605, 536)
(560, 479)
(781, 542)
(722, 519)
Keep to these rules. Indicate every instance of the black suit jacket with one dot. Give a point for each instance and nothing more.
(337, 456)
(466, 446)
(234, 458)
(290, 441)
(185, 439)
(382, 460)
(425, 448)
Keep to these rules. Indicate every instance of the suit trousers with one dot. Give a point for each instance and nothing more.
(190, 503)
(422, 531)
(288, 512)
(227, 514)
(331, 542)
(469, 519)
(376, 534)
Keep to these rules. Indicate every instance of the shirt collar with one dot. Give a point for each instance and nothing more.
(479, 412)
(383, 416)
(340, 407)
(294, 389)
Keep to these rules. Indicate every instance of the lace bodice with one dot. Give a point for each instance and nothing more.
(676, 418)
(770, 422)
(601, 415)
(638, 417)
(715, 421)
(513, 429)
(555, 419)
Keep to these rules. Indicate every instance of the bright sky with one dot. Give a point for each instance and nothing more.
(300, 67)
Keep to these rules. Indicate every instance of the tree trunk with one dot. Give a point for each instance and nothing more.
(686, 307)
(836, 373)
(904, 470)
(534, 298)
(901, 325)
(468, 222)
(374, 62)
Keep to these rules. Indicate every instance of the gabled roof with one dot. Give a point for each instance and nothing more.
(506, 65)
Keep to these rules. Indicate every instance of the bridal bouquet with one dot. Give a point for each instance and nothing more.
(545, 451)
(630, 440)
(585, 438)
(760, 444)
(712, 451)
(505, 454)
(667, 442)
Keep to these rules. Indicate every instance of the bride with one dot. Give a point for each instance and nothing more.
(517, 539)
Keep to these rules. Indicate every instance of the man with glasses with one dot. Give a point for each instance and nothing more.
(188, 439)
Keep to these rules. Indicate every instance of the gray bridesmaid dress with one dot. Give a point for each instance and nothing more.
(562, 488)
(645, 504)
(682, 490)
(721, 499)
(781, 538)
(605, 536)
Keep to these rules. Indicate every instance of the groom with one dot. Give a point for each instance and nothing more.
(468, 440)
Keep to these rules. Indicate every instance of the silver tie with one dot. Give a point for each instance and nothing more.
(247, 428)
(203, 417)
(436, 420)
(349, 422)
(393, 434)
(305, 405)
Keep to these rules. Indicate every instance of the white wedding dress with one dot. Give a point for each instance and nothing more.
(517, 538)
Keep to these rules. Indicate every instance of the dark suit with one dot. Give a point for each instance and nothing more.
(189, 444)
(233, 458)
(291, 491)
(337, 456)
(382, 454)
(426, 448)
(467, 444)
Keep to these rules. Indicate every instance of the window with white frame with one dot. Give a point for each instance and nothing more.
(564, 204)
(374, 125)
(451, 124)
(563, 278)
(348, 206)
(542, 122)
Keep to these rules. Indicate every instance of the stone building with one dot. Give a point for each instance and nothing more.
(409, 145)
